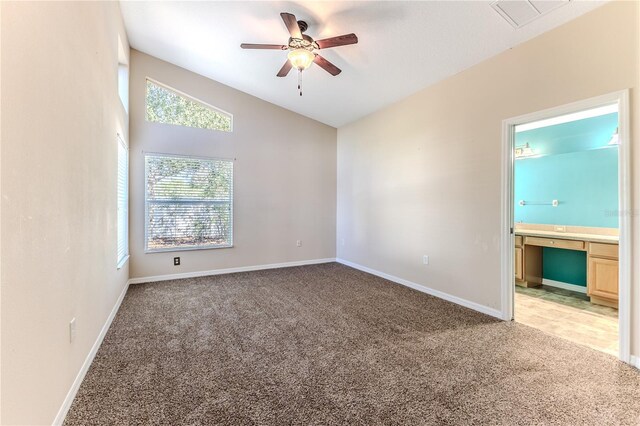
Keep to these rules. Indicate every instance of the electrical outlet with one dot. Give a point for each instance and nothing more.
(176, 261)
(560, 228)
(72, 330)
(342, 241)
(299, 243)
(425, 259)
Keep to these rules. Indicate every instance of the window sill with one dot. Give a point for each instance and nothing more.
(122, 262)
(170, 249)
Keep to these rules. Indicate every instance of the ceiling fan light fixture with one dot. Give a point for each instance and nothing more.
(301, 58)
(301, 48)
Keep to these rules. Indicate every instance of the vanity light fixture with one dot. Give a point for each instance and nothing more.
(524, 151)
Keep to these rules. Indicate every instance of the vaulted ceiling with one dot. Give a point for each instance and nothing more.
(403, 46)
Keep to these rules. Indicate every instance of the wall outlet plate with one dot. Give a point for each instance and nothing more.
(425, 259)
(560, 228)
(299, 243)
(176, 261)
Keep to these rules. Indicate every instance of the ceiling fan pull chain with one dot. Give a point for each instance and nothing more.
(300, 81)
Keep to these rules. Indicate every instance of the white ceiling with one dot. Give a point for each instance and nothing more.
(403, 46)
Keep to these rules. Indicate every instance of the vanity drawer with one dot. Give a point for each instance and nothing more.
(603, 250)
(518, 240)
(555, 242)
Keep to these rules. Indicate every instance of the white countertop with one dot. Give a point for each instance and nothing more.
(607, 239)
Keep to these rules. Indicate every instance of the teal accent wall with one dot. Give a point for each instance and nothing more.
(567, 266)
(580, 135)
(585, 183)
(574, 164)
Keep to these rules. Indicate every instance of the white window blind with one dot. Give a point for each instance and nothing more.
(189, 202)
(123, 202)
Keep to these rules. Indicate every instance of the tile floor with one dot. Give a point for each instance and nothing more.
(569, 315)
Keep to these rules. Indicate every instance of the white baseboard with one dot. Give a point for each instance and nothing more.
(437, 293)
(155, 278)
(66, 404)
(634, 361)
(566, 286)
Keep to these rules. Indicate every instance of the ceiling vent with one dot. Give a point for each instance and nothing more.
(518, 13)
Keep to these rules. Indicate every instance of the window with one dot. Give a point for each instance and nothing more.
(168, 106)
(123, 202)
(123, 76)
(189, 203)
(123, 85)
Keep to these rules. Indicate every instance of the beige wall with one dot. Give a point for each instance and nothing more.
(61, 112)
(284, 175)
(423, 175)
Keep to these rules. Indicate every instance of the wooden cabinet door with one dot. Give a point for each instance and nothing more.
(519, 267)
(603, 278)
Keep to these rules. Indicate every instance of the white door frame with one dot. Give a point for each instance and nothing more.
(621, 98)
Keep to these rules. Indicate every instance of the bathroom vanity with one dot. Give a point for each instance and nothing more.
(600, 245)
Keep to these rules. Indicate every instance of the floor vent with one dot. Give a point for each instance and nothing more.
(518, 13)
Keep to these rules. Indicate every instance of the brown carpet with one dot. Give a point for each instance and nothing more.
(330, 345)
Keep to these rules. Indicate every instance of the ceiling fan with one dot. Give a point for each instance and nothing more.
(301, 48)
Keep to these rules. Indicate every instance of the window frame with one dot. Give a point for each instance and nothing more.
(120, 262)
(145, 154)
(190, 97)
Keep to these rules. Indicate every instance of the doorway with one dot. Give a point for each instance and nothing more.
(566, 223)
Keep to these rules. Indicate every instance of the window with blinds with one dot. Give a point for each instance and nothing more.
(123, 202)
(189, 203)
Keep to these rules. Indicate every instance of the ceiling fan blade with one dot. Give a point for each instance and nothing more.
(263, 46)
(342, 40)
(285, 69)
(292, 24)
(326, 65)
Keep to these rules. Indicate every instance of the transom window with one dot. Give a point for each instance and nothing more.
(189, 202)
(169, 106)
